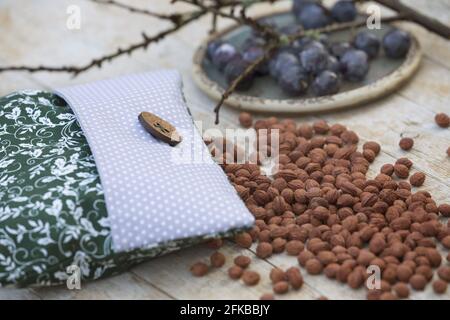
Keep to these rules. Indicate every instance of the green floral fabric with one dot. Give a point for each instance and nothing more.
(52, 208)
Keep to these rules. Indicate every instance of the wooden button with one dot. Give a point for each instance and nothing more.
(159, 128)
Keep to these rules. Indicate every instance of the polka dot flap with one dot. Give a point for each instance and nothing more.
(154, 192)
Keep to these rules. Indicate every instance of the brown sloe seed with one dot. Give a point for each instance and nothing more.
(245, 119)
(267, 296)
(235, 272)
(406, 143)
(418, 282)
(264, 250)
(442, 120)
(242, 261)
(401, 290)
(277, 275)
(281, 287)
(217, 259)
(313, 266)
(199, 269)
(440, 286)
(250, 278)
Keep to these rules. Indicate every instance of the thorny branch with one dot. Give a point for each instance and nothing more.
(235, 10)
(248, 71)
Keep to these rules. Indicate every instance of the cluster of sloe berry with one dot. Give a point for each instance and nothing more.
(310, 64)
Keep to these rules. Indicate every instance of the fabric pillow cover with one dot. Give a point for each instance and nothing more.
(52, 205)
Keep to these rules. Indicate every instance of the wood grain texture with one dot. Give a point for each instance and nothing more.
(28, 37)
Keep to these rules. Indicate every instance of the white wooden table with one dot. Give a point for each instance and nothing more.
(35, 32)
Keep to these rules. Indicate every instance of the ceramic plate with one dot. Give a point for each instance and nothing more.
(385, 76)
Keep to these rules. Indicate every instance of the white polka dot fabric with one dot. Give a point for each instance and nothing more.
(151, 198)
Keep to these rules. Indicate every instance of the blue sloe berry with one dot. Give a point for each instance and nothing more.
(344, 11)
(367, 42)
(355, 65)
(396, 43)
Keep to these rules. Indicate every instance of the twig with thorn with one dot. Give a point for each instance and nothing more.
(247, 72)
(76, 70)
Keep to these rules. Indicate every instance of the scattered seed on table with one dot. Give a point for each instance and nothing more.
(242, 261)
(245, 119)
(404, 161)
(214, 244)
(243, 240)
(278, 245)
(439, 286)
(304, 256)
(373, 294)
(444, 209)
(323, 198)
(418, 282)
(355, 279)
(446, 242)
(369, 155)
(444, 273)
(417, 179)
(385, 286)
(294, 277)
(199, 269)
(277, 275)
(388, 296)
(406, 143)
(235, 272)
(217, 259)
(264, 250)
(294, 247)
(401, 290)
(321, 127)
(425, 270)
(313, 266)
(387, 169)
(442, 120)
(401, 171)
(372, 145)
(331, 270)
(281, 287)
(404, 273)
(267, 296)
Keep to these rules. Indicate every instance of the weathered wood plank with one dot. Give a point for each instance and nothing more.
(434, 47)
(18, 294)
(171, 274)
(125, 286)
(430, 88)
